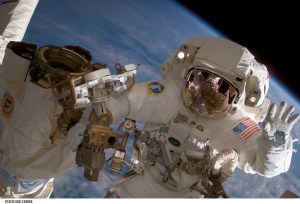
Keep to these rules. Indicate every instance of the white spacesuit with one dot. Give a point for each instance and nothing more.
(27, 116)
(212, 95)
(201, 121)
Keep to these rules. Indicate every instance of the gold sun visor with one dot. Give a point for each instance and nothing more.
(208, 94)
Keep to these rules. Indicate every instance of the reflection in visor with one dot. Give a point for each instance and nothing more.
(208, 94)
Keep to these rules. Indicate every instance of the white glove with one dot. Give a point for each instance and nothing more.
(75, 137)
(279, 123)
(75, 133)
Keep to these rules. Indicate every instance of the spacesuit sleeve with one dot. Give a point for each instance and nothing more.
(14, 19)
(147, 101)
(272, 160)
(266, 159)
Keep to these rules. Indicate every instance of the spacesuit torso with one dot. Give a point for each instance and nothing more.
(171, 127)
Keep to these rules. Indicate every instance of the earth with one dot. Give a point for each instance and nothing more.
(147, 33)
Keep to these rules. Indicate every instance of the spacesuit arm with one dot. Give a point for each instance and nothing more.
(275, 145)
(274, 149)
(146, 101)
(272, 159)
(14, 20)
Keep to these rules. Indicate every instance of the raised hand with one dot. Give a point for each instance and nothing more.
(279, 123)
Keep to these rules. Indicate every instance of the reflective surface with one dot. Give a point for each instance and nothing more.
(207, 94)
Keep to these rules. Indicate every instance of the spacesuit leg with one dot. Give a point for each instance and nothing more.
(11, 187)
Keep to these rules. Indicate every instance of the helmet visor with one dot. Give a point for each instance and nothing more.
(208, 94)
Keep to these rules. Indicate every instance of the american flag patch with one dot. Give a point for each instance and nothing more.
(246, 129)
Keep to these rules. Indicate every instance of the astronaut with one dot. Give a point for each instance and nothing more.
(210, 102)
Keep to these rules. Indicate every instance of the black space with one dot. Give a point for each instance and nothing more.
(268, 30)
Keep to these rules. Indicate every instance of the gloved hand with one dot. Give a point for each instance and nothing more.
(75, 137)
(75, 133)
(279, 123)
